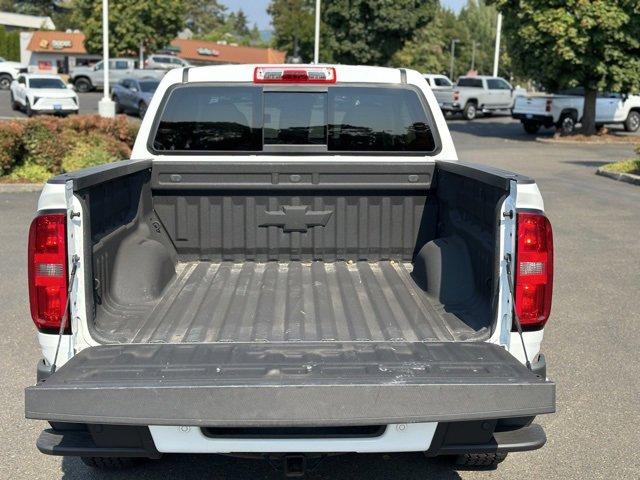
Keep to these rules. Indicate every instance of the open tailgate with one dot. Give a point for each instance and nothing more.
(305, 383)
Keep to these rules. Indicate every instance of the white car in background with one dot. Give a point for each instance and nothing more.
(43, 93)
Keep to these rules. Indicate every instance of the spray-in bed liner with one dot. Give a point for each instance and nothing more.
(292, 301)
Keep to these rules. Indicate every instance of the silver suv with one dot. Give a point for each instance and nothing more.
(164, 62)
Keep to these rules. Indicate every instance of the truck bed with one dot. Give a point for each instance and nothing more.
(290, 301)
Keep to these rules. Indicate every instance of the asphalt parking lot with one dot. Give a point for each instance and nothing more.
(591, 341)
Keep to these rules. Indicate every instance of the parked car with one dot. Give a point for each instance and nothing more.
(86, 79)
(134, 95)
(43, 93)
(165, 62)
(295, 263)
(481, 94)
(564, 111)
(441, 86)
(9, 71)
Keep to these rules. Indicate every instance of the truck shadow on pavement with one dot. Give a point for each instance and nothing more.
(352, 466)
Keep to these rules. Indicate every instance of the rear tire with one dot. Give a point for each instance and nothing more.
(567, 124)
(108, 463)
(118, 107)
(632, 123)
(83, 85)
(470, 111)
(5, 81)
(14, 105)
(531, 127)
(142, 109)
(480, 460)
(27, 109)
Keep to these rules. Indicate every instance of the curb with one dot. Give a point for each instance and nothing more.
(621, 177)
(20, 187)
(552, 141)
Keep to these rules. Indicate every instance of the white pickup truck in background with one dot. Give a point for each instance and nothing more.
(9, 71)
(294, 263)
(564, 111)
(481, 94)
(441, 86)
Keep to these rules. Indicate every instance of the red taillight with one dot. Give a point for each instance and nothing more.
(533, 270)
(48, 270)
(547, 105)
(294, 75)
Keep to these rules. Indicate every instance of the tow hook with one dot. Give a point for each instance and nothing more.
(295, 466)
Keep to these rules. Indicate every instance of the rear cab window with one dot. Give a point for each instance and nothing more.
(209, 118)
(470, 82)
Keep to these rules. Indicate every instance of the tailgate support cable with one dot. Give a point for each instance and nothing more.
(65, 315)
(516, 320)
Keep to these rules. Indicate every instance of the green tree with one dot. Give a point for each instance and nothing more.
(203, 16)
(371, 31)
(593, 44)
(151, 23)
(240, 25)
(293, 24)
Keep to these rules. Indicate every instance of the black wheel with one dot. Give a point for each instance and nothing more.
(83, 85)
(531, 127)
(480, 460)
(119, 108)
(108, 463)
(15, 106)
(5, 81)
(470, 111)
(27, 108)
(632, 123)
(142, 109)
(567, 124)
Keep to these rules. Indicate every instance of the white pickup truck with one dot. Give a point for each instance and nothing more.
(294, 263)
(565, 111)
(9, 71)
(441, 86)
(481, 94)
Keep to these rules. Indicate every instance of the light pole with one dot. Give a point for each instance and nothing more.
(106, 107)
(316, 46)
(496, 54)
(453, 56)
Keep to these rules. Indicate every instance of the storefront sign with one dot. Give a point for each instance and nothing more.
(55, 44)
(207, 52)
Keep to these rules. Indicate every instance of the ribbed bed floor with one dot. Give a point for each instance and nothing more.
(294, 301)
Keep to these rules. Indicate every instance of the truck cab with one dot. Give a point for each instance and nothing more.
(294, 262)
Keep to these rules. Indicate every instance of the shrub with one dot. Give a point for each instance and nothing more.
(38, 148)
(30, 173)
(11, 146)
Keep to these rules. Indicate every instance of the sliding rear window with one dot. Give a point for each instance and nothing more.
(213, 119)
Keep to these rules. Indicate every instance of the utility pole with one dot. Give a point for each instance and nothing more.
(106, 107)
(473, 56)
(496, 55)
(453, 56)
(316, 46)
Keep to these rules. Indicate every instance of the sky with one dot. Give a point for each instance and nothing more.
(256, 10)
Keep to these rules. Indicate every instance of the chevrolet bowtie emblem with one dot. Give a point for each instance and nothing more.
(295, 218)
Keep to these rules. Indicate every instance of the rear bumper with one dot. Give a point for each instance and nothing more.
(288, 384)
(442, 439)
(531, 117)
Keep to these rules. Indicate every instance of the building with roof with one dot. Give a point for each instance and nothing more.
(201, 52)
(18, 21)
(54, 52)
